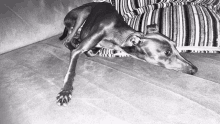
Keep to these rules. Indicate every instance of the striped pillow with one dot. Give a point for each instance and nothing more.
(193, 26)
(126, 6)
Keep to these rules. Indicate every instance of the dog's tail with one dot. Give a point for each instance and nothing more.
(65, 32)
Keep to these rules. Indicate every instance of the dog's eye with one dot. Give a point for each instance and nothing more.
(168, 53)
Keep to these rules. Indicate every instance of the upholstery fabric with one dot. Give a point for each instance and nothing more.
(193, 25)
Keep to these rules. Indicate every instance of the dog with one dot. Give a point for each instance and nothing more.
(104, 27)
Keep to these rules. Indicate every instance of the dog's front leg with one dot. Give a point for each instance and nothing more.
(65, 95)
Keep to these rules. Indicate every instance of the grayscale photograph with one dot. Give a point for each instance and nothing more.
(110, 62)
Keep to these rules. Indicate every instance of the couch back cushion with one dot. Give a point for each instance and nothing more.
(193, 26)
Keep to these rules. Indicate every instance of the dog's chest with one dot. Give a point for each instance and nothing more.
(113, 39)
(107, 43)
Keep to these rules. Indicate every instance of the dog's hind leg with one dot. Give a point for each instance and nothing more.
(65, 32)
(75, 19)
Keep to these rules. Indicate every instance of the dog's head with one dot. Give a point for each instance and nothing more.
(158, 49)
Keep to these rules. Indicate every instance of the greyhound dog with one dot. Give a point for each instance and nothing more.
(104, 27)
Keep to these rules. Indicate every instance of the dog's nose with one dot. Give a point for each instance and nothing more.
(193, 69)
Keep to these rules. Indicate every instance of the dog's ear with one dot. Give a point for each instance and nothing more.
(152, 28)
(135, 38)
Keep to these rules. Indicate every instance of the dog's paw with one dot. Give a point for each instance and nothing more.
(64, 97)
(69, 46)
(72, 45)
